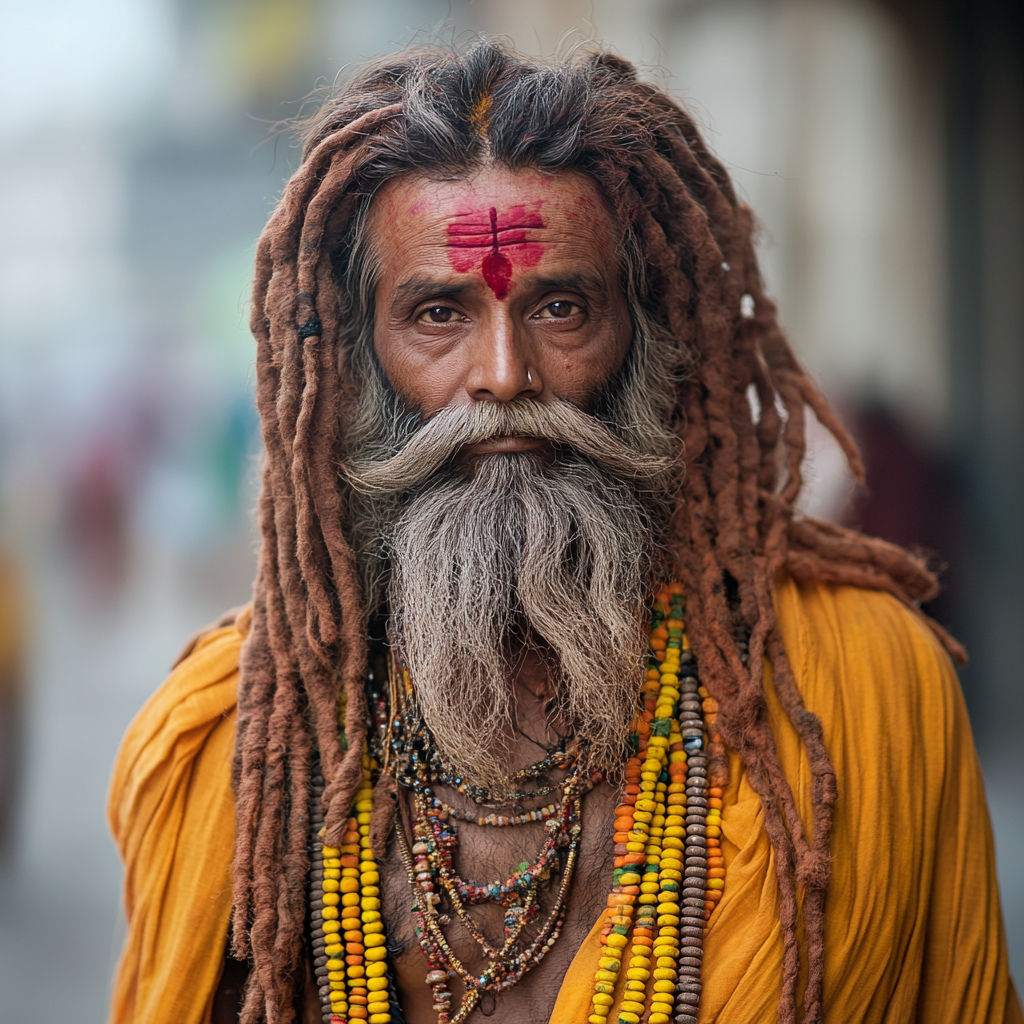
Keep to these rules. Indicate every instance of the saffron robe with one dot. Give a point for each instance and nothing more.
(913, 924)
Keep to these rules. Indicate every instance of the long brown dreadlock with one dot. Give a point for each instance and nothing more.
(695, 273)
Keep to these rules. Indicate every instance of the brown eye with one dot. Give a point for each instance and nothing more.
(439, 314)
(560, 310)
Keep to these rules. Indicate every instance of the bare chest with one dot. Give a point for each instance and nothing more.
(486, 855)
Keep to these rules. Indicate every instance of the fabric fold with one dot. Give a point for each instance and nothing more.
(171, 811)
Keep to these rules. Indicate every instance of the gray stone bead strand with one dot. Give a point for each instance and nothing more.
(695, 868)
(316, 898)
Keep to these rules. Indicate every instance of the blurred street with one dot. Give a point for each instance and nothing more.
(60, 923)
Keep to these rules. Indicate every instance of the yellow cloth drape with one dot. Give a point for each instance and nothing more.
(913, 931)
(172, 813)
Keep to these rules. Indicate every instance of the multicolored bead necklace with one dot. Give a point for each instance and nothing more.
(406, 746)
(668, 867)
(428, 857)
(669, 873)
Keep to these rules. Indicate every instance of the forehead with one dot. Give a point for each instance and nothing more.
(421, 194)
(524, 217)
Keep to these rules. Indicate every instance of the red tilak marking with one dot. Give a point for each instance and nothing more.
(471, 235)
(497, 267)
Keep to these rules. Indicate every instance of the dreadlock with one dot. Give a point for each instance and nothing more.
(739, 411)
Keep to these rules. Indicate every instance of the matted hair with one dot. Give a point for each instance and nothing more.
(733, 526)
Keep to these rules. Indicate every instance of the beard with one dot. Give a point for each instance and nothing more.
(478, 559)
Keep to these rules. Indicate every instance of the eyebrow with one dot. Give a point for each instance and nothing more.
(416, 289)
(580, 282)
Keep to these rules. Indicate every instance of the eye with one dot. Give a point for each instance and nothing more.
(438, 315)
(562, 309)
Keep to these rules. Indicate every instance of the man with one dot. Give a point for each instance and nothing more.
(522, 390)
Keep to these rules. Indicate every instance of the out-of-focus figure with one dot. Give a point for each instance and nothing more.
(12, 644)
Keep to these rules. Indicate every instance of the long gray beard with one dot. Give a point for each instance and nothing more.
(517, 549)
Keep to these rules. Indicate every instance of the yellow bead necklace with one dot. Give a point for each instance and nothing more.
(349, 944)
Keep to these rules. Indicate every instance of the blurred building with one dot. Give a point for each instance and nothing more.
(881, 142)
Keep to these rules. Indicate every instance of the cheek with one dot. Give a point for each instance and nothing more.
(426, 382)
(581, 375)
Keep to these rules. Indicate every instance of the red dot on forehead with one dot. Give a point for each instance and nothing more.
(497, 241)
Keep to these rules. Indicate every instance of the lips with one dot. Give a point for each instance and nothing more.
(505, 444)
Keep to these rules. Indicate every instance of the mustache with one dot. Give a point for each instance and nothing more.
(445, 434)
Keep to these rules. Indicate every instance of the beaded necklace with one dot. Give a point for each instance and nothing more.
(428, 855)
(405, 747)
(668, 866)
(349, 945)
(668, 869)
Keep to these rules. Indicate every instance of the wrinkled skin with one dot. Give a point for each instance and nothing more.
(473, 307)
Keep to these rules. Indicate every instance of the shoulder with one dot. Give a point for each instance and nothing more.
(194, 704)
(202, 683)
(839, 629)
(876, 675)
(232, 626)
(171, 811)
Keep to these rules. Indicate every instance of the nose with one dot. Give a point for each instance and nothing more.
(501, 368)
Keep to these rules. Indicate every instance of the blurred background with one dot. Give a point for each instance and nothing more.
(880, 141)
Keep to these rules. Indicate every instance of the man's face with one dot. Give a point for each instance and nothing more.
(499, 317)
(504, 285)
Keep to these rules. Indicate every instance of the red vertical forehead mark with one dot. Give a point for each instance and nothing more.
(497, 267)
(496, 243)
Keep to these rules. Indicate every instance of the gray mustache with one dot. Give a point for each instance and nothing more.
(455, 427)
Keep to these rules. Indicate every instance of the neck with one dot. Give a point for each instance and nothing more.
(535, 725)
